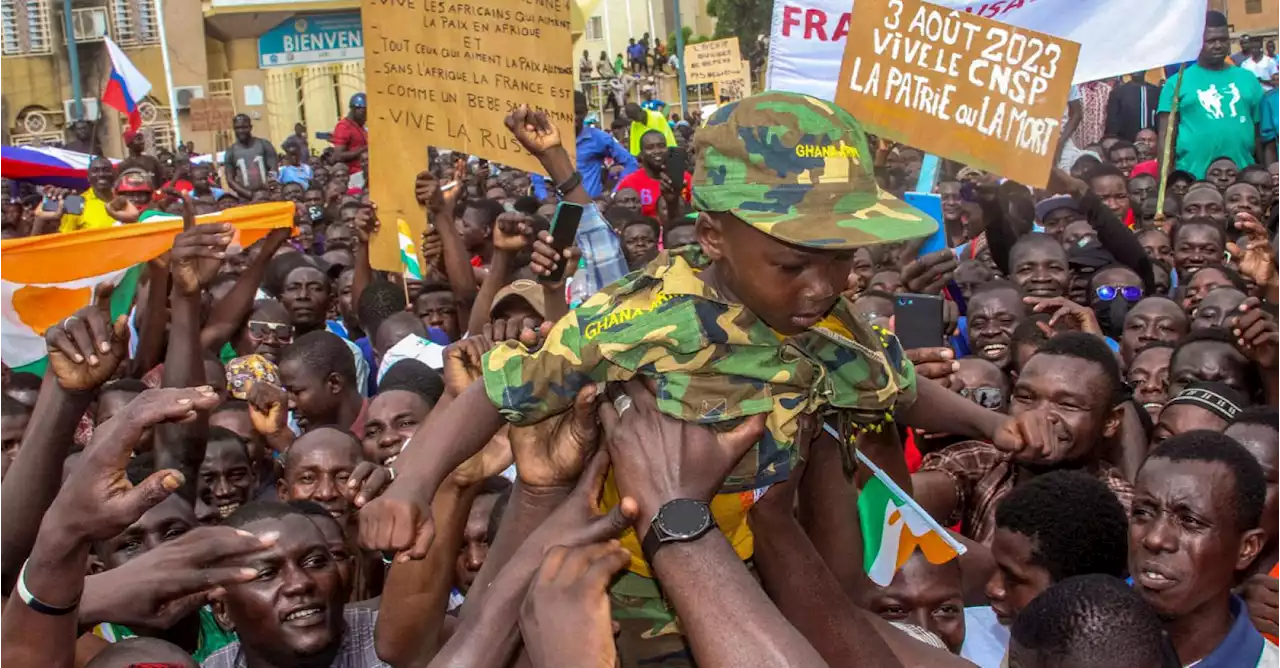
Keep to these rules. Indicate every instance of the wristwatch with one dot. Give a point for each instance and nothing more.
(677, 521)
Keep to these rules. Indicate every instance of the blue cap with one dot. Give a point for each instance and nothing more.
(357, 100)
(1051, 204)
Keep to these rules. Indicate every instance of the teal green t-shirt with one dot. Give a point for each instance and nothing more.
(1218, 115)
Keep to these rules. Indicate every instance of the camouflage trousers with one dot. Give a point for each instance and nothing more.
(649, 635)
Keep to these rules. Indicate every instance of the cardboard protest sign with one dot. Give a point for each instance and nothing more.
(211, 113)
(446, 74)
(967, 88)
(735, 88)
(710, 62)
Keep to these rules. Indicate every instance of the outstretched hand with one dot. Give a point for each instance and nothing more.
(85, 348)
(552, 453)
(173, 580)
(1257, 259)
(98, 501)
(658, 458)
(1066, 311)
(198, 251)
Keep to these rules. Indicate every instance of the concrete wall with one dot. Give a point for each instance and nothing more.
(1261, 23)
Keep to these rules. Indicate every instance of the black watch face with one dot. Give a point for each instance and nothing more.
(684, 518)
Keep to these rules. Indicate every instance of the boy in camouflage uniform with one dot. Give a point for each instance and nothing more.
(751, 322)
(797, 171)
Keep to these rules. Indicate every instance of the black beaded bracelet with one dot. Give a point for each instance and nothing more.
(574, 180)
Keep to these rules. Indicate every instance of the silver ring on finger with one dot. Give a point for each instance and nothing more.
(68, 320)
(621, 404)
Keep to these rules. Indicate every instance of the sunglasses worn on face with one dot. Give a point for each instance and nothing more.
(1106, 293)
(260, 329)
(990, 398)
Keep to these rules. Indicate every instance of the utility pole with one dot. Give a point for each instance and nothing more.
(684, 89)
(69, 28)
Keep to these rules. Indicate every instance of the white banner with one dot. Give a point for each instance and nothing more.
(1115, 36)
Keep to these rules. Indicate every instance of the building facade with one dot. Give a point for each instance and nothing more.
(279, 62)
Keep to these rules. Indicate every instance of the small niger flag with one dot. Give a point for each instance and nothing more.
(894, 526)
(45, 279)
(408, 251)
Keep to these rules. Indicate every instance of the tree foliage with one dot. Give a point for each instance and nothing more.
(748, 20)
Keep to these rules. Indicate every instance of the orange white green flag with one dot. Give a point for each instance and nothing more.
(47, 278)
(894, 526)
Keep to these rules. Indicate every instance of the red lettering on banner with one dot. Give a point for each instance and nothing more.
(842, 28)
(790, 19)
(813, 23)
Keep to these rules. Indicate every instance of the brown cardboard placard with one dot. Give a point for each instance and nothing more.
(446, 74)
(711, 62)
(958, 85)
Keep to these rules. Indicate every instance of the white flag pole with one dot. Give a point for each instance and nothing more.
(168, 74)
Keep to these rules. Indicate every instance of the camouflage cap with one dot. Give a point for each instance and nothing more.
(798, 169)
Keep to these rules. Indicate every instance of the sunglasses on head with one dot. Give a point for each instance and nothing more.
(260, 329)
(1106, 293)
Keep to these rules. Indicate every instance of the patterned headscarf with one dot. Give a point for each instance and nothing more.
(244, 371)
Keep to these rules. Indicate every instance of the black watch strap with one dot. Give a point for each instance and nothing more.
(650, 543)
(678, 521)
(574, 180)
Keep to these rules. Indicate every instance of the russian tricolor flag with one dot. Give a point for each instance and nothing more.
(126, 87)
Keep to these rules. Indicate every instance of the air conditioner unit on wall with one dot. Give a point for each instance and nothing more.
(91, 111)
(90, 23)
(185, 94)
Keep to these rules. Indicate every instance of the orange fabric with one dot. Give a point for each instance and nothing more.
(57, 258)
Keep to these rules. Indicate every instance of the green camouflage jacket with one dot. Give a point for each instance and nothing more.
(713, 363)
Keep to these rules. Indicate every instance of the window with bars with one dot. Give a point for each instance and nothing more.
(595, 28)
(25, 26)
(135, 22)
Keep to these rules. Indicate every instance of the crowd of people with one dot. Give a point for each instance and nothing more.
(284, 457)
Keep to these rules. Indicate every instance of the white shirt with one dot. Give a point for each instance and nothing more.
(986, 640)
(1263, 69)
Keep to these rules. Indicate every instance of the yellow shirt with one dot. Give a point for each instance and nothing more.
(653, 121)
(95, 216)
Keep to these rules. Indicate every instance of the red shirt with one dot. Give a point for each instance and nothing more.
(347, 135)
(651, 190)
(181, 185)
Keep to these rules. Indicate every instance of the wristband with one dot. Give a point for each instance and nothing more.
(36, 604)
(574, 180)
